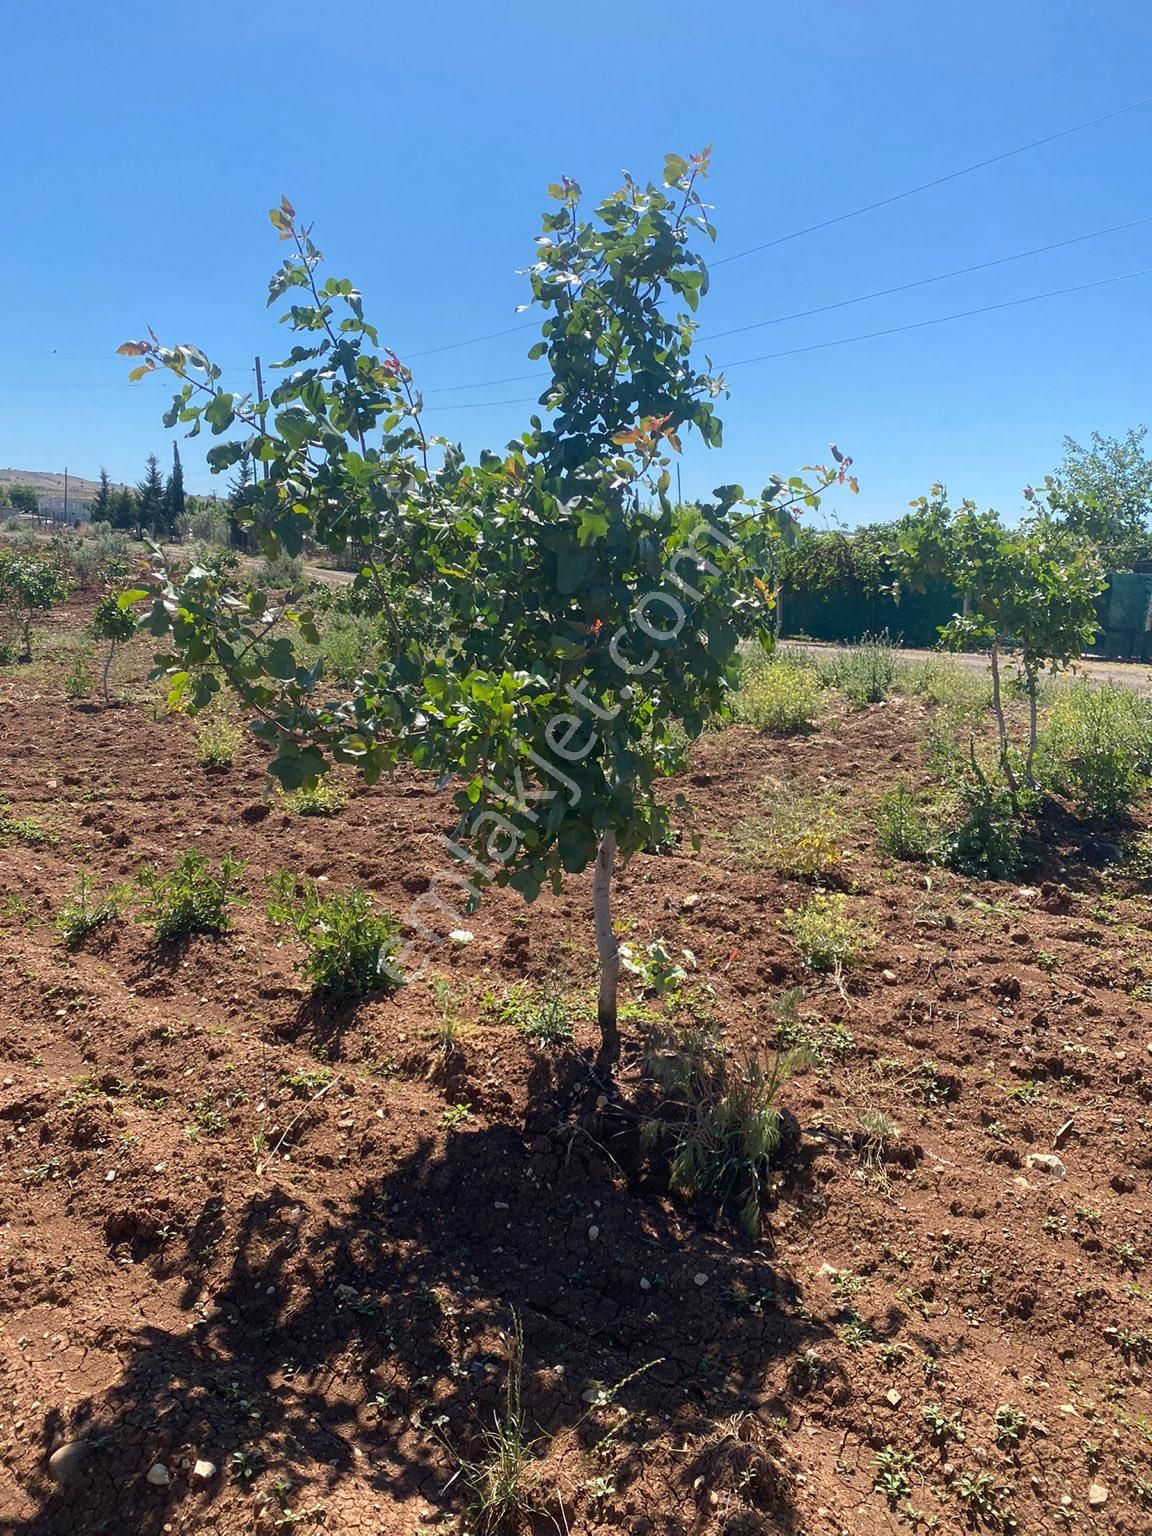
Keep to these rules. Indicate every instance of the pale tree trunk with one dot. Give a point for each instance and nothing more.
(107, 669)
(1001, 724)
(609, 953)
(1029, 773)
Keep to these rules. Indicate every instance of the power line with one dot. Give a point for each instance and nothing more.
(962, 314)
(925, 186)
(844, 341)
(922, 282)
(861, 298)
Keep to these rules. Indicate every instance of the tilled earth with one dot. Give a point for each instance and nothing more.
(261, 1260)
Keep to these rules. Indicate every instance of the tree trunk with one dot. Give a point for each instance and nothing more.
(107, 669)
(1001, 724)
(609, 953)
(1033, 685)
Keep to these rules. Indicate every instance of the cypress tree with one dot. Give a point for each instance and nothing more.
(100, 507)
(150, 499)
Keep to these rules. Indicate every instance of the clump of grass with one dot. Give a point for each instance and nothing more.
(903, 828)
(777, 695)
(865, 673)
(218, 740)
(350, 948)
(323, 798)
(84, 912)
(25, 829)
(542, 1014)
(1096, 748)
(946, 683)
(192, 898)
(823, 1040)
(717, 1121)
(503, 1483)
(827, 938)
(800, 837)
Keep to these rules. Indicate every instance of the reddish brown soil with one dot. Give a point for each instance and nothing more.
(342, 1317)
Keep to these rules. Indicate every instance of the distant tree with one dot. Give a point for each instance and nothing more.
(25, 498)
(243, 493)
(174, 507)
(27, 586)
(115, 622)
(124, 511)
(100, 507)
(1104, 493)
(4, 502)
(150, 499)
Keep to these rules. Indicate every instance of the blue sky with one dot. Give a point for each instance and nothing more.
(143, 146)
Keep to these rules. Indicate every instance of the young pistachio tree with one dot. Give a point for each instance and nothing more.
(1033, 587)
(559, 624)
(29, 585)
(115, 622)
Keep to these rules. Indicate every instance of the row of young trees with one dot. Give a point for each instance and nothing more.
(560, 624)
(1102, 494)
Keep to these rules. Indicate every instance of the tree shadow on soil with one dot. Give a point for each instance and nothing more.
(359, 1347)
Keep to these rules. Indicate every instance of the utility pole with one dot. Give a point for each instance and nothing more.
(65, 494)
(259, 397)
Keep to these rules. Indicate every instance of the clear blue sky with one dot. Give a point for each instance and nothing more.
(142, 147)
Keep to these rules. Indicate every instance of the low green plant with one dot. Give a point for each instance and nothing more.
(78, 680)
(824, 1040)
(864, 673)
(942, 1426)
(85, 911)
(25, 829)
(777, 695)
(192, 898)
(218, 740)
(543, 1014)
(964, 691)
(903, 828)
(1010, 1426)
(349, 946)
(1096, 748)
(800, 837)
(323, 798)
(827, 938)
(656, 969)
(717, 1120)
(893, 1469)
(983, 837)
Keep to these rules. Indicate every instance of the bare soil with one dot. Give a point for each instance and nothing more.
(242, 1227)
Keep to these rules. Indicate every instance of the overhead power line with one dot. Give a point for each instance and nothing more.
(961, 314)
(937, 181)
(860, 298)
(844, 341)
(841, 218)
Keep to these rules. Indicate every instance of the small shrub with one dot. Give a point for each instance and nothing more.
(349, 945)
(1096, 748)
(948, 684)
(84, 912)
(78, 680)
(193, 898)
(349, 646)
(984, 837)
(865, 673)
(218, 740)
(323, 798)
(903, 829)
(827, 939)
(777, 695)
(280, 571)
(717, 1121)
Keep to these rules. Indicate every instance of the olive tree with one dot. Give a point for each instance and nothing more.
(559, 624)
